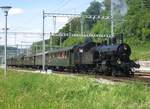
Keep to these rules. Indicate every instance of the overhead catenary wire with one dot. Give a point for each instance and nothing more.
(79, 6)
(62, 6)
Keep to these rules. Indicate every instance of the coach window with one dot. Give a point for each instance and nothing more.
(65, 56)
(50, 56)
(60, 55)
(56, 55)
(53, 55)
(68, 53)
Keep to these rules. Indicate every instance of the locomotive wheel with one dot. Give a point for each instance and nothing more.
(107, 73)
(114, 73)
(131, 73)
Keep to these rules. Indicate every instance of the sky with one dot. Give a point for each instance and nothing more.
(26, 15)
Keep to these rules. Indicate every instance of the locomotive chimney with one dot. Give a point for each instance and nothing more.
(122, 38)
(109, 41)
(114, 40)
(105, 42)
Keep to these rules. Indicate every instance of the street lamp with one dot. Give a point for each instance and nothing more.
(5, 9)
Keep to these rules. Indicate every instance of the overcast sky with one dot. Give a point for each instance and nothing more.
(26, 15)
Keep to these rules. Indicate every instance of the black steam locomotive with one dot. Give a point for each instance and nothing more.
(108, 59)
(114, 60)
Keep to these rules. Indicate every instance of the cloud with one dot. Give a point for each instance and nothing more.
(16, 11)
(62, 19)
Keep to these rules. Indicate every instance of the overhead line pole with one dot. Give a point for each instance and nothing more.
(54, 22)
(81, 22)
(43, 50)
(112, 19)
(50, 40)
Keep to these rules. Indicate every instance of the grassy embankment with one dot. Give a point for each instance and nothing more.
(140, 49)
(37, 91)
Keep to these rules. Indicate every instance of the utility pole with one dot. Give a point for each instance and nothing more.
(54, 22)
(50, 40)
(15, 38)
(36, 48)
(70, 27)
(43, 56)
(81, 22)
(16, 49)
(21, 48)
(60, 41)
(112, 19)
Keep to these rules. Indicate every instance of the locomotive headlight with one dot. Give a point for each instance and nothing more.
(125, 48)
(118, 61)
(81, 50)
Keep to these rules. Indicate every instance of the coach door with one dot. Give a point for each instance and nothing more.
(71, 57)
(34, 60)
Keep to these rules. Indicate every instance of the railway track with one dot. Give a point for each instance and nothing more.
(138, 77)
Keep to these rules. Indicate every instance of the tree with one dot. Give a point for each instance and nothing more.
(73, 41)
(95, 8)
(137, 19)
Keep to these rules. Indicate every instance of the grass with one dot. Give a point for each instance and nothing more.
(141, 52)
(37, 91)
(140, 49)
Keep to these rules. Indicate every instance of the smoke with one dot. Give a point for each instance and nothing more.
(122, 5)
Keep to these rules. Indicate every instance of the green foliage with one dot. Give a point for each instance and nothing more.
(55, 40)
(102, 27)
(107, 5)
(140, 49)
(95, 8)
(37, 91)
(146, 33)
(137, 20)
(72, 27)
(73, 41)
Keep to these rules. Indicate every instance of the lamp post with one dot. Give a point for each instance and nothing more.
(5, 9)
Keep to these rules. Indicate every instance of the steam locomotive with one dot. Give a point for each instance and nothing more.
(108, 59)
